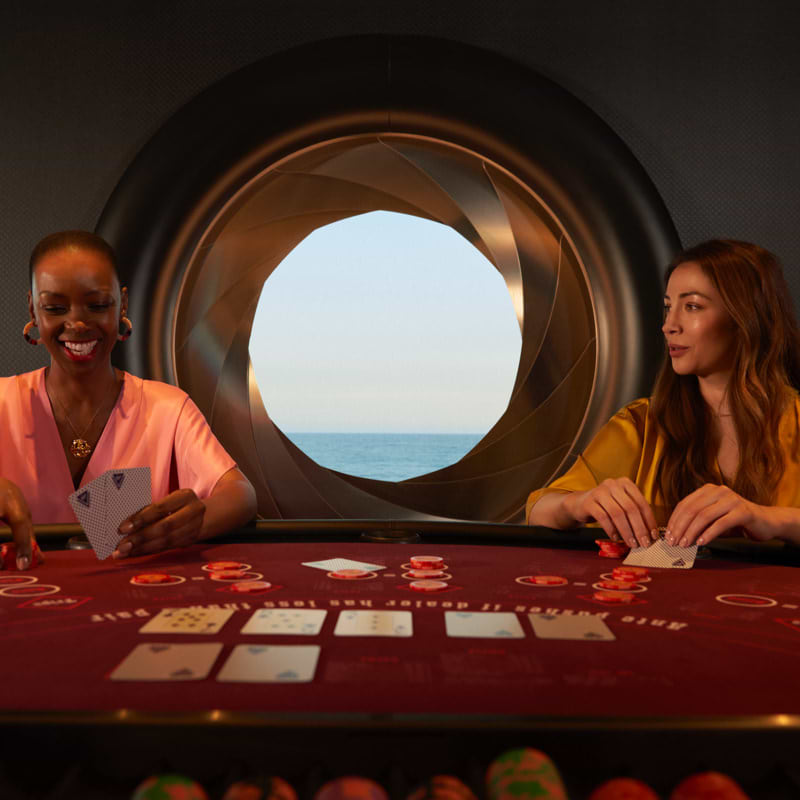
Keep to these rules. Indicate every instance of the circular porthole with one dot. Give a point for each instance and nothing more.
(519, 168)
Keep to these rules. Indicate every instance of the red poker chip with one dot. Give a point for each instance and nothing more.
(251, 587)
(609, 549)
(426, 573)
(545, 580)
(605, 596)
(350, 574)
(629, 573)
(427, 586)
(617, 586)
(223, 566)
(228, 574)
(426, 562)
(148, 578)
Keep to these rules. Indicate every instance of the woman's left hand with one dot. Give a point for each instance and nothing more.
(713, 510)
(174, 521)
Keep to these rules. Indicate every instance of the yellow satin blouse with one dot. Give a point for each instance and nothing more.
(630, 445)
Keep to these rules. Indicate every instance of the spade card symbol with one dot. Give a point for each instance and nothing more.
(182, 673)
(84, 498)
(679, 563)
(592, 635)
(158, 648)
(289, 675)
(548, 616)
(502, 633)
(255, 650)
(118, 478)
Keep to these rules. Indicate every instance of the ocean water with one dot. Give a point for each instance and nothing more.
(385, 456)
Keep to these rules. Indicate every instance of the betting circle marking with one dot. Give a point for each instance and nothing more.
(747, 600)
(368, 577)
(525, 580)
(239, 565)
(176, 579)
(247, 577)
(17, 580)
(30, 590)
(633, 588)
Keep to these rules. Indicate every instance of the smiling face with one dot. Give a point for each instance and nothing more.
(76, 302)
(700, 333)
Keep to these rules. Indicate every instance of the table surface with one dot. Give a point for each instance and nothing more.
(720, 639)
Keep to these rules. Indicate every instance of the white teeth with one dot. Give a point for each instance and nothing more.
(81, 348)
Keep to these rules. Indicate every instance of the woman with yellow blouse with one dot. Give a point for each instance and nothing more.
(716, 449)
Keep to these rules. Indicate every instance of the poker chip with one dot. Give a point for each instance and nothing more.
(351, 787)
(625, 573)
(228, 574)
(522, 774)
(157, 787)
(349, 574)
(273, 788)
(223, 566)
(609, 549)
(425, 573)
(708, 785)
(617, 586)
(149, 578)
(8, 555)
(426, 562)
(545, 580)
(612, 597)
(623, 789)
(427, 586)
(251, 587)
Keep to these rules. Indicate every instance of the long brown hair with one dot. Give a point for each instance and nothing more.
(766, 364)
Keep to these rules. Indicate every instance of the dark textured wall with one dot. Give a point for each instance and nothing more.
(705, 94)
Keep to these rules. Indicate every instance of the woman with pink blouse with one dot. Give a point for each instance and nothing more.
(64, 425)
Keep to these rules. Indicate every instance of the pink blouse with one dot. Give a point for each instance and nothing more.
(151, 425)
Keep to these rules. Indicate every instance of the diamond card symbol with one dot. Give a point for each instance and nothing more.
(83, 498)
(118, 478)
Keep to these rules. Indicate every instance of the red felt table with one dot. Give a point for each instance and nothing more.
(722, 638)
(702, 674)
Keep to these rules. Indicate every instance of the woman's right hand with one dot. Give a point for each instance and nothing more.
(16, 514)
(619, 508)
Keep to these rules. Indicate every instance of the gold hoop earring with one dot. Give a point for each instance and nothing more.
(127, 334)
(26, 332)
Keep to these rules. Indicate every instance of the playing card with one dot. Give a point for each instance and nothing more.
(374, 623)
(334, 564)
(661, 554)
(103, 504)
(300, 622)
(168, 662)
(250, 663)
(483, 624)
(556, 626)
(127, 491)
(188, 620)
(89, 505)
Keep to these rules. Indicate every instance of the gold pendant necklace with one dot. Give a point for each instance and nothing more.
(79, 447)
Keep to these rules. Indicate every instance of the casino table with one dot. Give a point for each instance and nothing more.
(703, 670)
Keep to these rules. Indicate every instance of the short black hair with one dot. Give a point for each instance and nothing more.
(85, 240)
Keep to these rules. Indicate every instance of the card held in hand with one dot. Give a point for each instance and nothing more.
(102, 505)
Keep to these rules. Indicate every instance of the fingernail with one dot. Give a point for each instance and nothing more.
(23, 562)
(126, 527)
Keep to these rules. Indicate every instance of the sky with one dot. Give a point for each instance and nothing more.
(385, 323)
